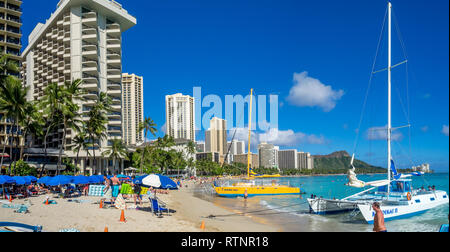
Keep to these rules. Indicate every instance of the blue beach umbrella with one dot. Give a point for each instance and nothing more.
(80, 180)
(43, 180)
(32, 178)
(6, 180)
(59, 180)
(167, 183)
(21, 181)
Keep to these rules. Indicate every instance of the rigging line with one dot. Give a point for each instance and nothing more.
(234, 136)
(370, 82)
(256, 211)
(402, 43)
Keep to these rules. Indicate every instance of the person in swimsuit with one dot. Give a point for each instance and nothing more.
(378, 221)
(115, 187)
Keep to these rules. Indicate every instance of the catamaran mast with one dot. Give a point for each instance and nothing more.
(249, 156)
(389, 126)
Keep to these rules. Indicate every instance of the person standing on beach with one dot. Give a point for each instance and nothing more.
(115, 187)
(378, 221)
(107, 192)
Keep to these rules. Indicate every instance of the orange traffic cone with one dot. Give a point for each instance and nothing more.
(101, 204)
(202, 227)
(10, 198)
(122, 216)
(46, 201)
(106, 230)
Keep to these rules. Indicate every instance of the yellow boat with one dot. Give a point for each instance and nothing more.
(251, 188)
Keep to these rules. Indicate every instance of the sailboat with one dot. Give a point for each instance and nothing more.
(250, 187)
(396, 195)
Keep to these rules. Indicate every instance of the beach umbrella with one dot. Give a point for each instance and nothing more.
(81, 180)
(152, 180)
(21, 181)
(59, 180)
(167, 183)
(32, 178)
(138, 180)
(123, 177)
(43, 180)
(6, 180)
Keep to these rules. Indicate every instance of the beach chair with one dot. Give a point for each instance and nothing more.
(158, 207)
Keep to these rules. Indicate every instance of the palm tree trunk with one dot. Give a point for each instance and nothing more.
(45, 152)
(62, 146)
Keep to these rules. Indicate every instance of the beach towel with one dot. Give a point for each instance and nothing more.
(126, 189)
(96, 190)
(120, 203)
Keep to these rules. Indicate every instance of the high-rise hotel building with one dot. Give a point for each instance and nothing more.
(82, 39)
(180, 117)
(10, 44)
(132, 108)
(10, 28)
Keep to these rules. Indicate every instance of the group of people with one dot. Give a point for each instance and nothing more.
(113, 187)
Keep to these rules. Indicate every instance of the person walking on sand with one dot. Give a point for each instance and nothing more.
(378, 221)
(115, 187)
(107, 192)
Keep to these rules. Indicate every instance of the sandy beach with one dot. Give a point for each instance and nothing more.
(189, 212)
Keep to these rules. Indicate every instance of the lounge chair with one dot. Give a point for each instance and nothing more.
(158, 207)
(21, 227)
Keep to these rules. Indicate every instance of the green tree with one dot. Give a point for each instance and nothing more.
(13, 101)
(117, 151)
(147, 126)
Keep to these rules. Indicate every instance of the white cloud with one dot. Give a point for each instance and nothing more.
(282, 138)
(380, 133)
(425, 128)
(445, 130)
(310, 92)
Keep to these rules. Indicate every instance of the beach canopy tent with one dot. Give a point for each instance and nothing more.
(4, 179)
(156, 181)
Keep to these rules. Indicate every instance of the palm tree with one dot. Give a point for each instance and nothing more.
(70, 92)
(32, 123)
(96, 125)
(80, 143)
(148, 126)
(117, 151)
(13, 101)
(52, 106)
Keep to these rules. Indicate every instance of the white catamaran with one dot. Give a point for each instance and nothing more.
(396, 195)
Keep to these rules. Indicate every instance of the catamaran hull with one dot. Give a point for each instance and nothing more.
(234, 192)
(324, 206)
(417, 205)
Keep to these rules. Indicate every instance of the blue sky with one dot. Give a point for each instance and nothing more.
(323, 50)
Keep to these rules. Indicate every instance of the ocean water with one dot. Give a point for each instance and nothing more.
(291, 213)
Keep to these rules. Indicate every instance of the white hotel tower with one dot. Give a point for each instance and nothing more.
(82, 39)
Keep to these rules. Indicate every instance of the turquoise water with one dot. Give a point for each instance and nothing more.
(291, 213)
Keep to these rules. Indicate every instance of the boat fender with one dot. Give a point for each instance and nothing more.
(408, 196)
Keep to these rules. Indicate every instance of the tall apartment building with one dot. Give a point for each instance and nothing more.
(287, 159)
(216, 136)
(10, 44)
(243, 159)
(268, 155)
(305, 161)
(82, 39)
(10, 28)
(180, 117)
(237, 147)
(132, 108)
